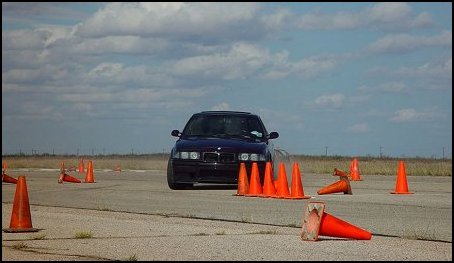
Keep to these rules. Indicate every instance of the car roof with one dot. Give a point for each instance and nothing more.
(225, 113)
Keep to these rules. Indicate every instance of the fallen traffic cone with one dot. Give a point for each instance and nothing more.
(282, 184)
(268, 184)
(317, 222)
(343, 185)
(338, 172)
(8, 179)
(297, 191)
(89, 178)
(81, 166)
(401, 182)
(21, 220)
(117, 168)
(354, 171)
(66, 177)
(255, 188)
(243, 182)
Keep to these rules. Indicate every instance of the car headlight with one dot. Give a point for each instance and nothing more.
(253, 157)
(187, 155)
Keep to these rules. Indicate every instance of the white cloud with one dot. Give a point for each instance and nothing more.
(173, 19)
(404, 43)
(392, 86)
(388, 16)
(434, 75)
(413, 115)
(221, 106)
(439, 69)
(330, 100)
(388, 12)
(281, 18)
(358, 128)
(244, 60)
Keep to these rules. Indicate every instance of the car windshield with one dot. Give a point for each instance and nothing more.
(224, 126)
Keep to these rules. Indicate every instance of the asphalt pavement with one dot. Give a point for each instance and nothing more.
(133, 215)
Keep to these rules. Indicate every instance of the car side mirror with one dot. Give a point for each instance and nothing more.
(273, 135)
(175, 133)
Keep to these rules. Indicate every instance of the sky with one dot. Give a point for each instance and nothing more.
(352, 79)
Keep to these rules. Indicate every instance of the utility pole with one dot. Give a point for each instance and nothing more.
(443, 153)
(326, 150)
(381, 153)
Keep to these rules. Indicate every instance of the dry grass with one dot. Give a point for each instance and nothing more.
(375, 166)
(126, 162)
(308, 164)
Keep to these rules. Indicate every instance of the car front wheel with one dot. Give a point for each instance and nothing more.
(171, 180)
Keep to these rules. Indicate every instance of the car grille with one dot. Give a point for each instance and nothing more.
(214, 157)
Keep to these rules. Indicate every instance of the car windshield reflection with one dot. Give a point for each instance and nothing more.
(224, 126)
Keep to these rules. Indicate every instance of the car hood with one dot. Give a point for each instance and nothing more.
(220, 144)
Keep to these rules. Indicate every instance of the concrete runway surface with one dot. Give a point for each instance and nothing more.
(133, 215)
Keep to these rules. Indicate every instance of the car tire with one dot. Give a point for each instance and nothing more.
(171, 180)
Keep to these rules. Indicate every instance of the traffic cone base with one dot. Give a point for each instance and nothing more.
(343, 185)
(21, 220)
(20, 230)
(402, 193)
(317, 222)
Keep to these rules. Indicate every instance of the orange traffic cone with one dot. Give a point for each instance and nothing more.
(343, 185)
(401, 182)
(268, 184)
(21, 220)
(243, 182)
(317, 222)
(255, 188)
(6, 178)
(66, 177)
(89, 177)
(297, 191)
(81, 166)
(354, 171)
(338, 172)
(282, 184)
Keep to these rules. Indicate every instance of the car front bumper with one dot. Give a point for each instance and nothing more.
(185, 171)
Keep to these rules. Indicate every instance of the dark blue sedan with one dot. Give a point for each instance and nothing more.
(214, 143)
